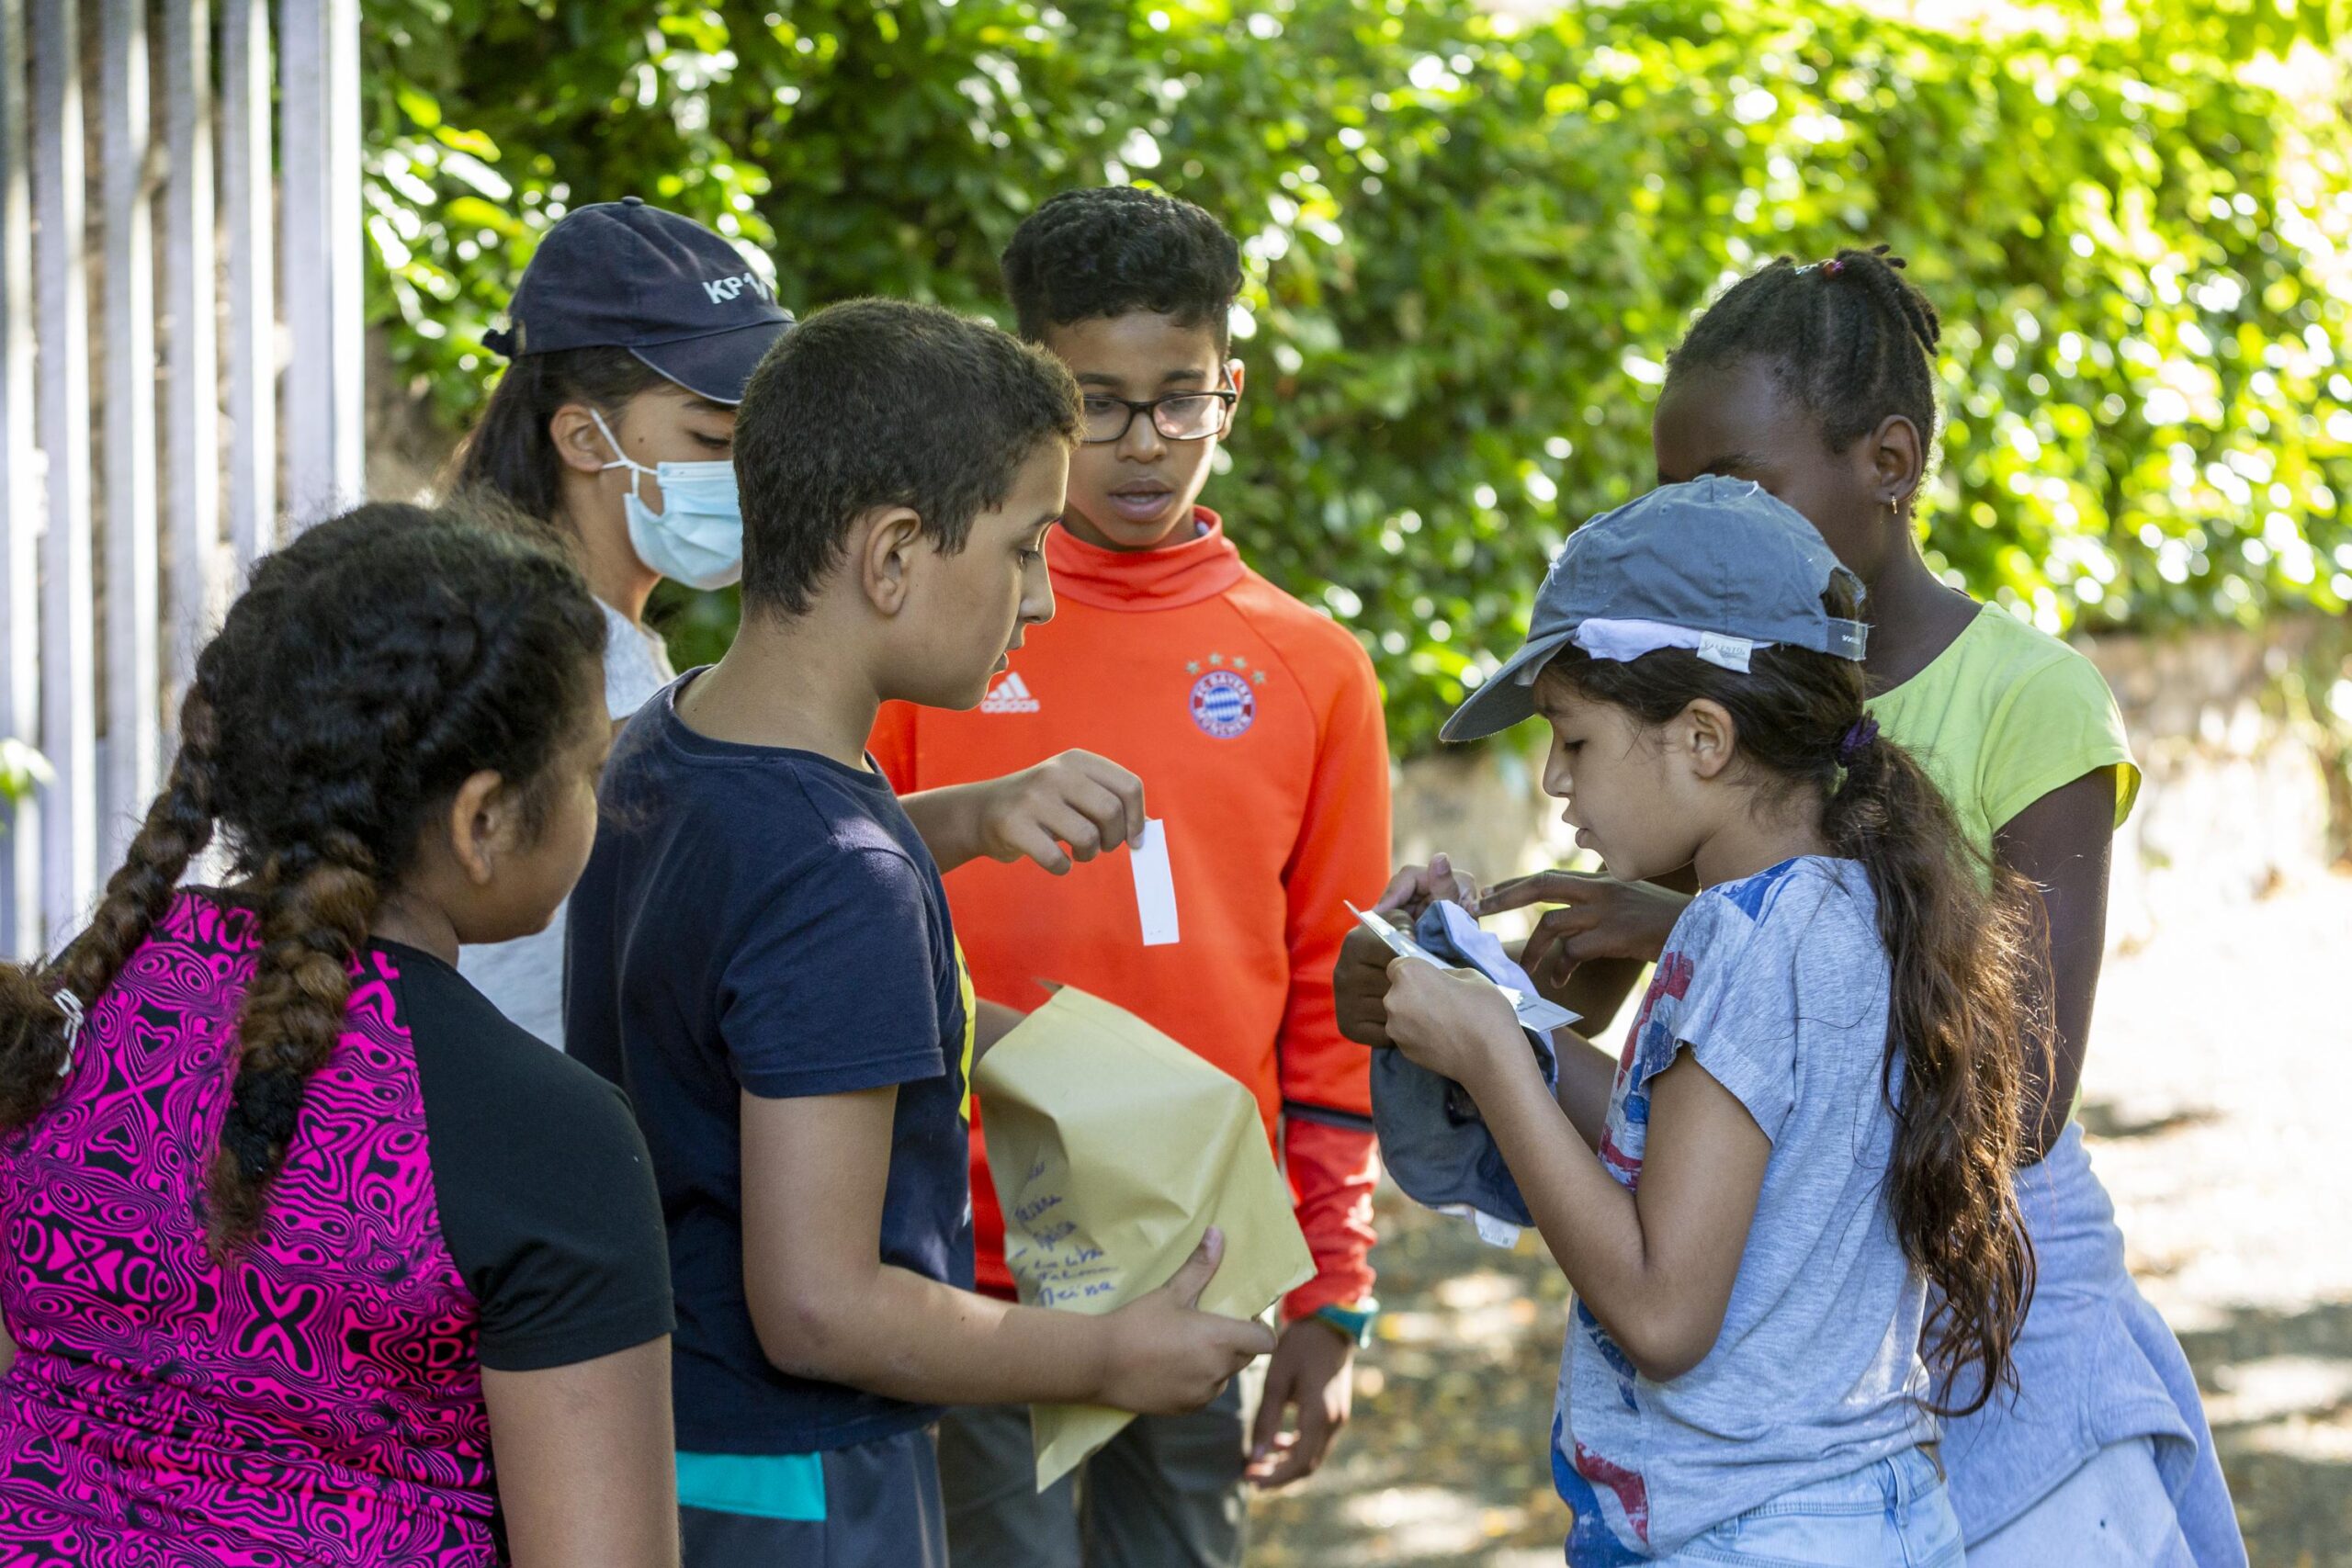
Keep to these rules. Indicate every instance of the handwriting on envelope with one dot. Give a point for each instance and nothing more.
(1113, 1150)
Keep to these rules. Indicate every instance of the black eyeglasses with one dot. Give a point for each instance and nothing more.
(1184, 416)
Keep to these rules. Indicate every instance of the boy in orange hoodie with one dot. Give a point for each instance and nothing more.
(1255, 723)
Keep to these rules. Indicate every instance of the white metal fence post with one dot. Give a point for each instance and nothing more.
(131, 607)
(192, 506)
(319, 220)
(20, 927)
(253, 289)
(62, 423)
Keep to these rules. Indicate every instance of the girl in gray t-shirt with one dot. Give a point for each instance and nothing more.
(1807, 1147)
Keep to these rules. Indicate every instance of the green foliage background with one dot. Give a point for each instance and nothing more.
(1472, 240)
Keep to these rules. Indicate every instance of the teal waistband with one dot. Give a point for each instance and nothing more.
(764, 1487)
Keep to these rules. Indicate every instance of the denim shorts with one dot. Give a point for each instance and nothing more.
(1892, 1513)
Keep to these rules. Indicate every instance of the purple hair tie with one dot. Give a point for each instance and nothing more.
(1833, 266)
(1859, 738)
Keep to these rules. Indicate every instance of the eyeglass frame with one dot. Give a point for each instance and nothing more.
(1228, 396)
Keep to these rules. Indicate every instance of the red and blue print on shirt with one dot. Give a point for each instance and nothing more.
(1648, 1049)
(1592, 1542)
(1222, 705)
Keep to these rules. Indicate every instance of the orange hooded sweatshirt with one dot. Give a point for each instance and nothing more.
(1255, 725)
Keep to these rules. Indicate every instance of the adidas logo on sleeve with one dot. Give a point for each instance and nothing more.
(1010, 695)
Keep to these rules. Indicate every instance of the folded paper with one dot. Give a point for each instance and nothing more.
(1114, 1149)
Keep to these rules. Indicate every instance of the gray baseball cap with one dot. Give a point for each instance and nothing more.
(1716, 566)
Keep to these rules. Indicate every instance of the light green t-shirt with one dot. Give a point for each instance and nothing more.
(2003, 717)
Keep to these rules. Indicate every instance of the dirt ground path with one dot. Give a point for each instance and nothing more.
(2217, 1095)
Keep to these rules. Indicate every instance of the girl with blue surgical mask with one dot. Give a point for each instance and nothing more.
(629, 340)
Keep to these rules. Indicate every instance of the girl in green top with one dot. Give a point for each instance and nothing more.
(1818, 383)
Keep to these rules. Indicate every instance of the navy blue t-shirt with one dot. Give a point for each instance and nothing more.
(767, 921)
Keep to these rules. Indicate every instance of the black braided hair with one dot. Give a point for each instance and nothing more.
(34, 1038)
(1850, 337)
(373, 665)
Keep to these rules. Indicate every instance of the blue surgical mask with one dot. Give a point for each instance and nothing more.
(697, 537)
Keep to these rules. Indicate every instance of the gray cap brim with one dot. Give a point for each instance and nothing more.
(1508, 695)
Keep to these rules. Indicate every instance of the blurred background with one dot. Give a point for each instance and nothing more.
(251, 251)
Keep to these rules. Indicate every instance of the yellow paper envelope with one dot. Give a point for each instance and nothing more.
(1114, 1149)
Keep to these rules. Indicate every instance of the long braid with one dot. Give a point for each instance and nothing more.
(318, 901)
(36, 1039)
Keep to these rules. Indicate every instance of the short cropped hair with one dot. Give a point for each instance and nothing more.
(1116, 249)
(883, 402)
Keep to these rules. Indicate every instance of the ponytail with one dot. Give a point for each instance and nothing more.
(1956, 1080)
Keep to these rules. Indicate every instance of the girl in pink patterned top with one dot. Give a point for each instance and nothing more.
(297, 1229)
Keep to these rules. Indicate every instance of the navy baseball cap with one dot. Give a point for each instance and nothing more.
(623, 275)
(1717, 566)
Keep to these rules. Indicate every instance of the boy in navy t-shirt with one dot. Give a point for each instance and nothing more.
(760, 954)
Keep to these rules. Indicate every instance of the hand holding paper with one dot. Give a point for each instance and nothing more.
(1145, 1377)
(1114, 1151)
(1533, 1012)
(1443, 1025)
(1067, 808)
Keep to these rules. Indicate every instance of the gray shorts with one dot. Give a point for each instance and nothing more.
(1165, 1493)
(874, 1506)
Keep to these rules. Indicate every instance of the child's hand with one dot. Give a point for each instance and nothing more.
(1599, 916)
(1455, 1022)
(1359, 988)
(1415, 887)
(1088, 803)
(1166, 1356)
(1312, 1372)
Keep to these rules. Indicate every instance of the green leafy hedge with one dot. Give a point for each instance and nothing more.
(1472, 241)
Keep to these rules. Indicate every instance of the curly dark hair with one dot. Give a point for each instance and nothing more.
(373, 666)
(884, 402)
(1850, 338)
(1960, 931)
(1117, 249)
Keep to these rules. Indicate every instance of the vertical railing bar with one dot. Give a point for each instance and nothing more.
(20, 923)
(320, 219)
(131, 607)
(192, 431)
(61, 303)
(306, 251)
(252, 291)
(345, 248)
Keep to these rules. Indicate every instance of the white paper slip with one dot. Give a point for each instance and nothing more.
(1400, 942)
(1155, 885)
(1539, 1015)
(1534, 1012)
